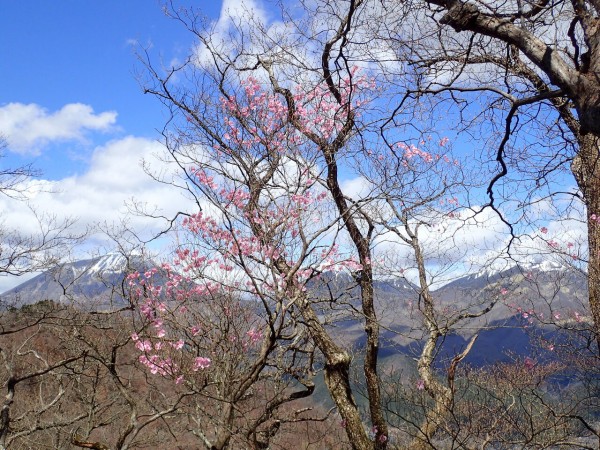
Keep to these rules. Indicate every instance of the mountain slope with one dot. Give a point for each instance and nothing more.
(522, 292)
(95, 281)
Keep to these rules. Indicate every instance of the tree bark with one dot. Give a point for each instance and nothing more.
(362, 244)
(441, 395)
(337, 379)
(586, 169)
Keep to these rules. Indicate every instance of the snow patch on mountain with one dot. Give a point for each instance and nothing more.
(532, 264)
(544, 266)
(399, 283)
(109, 263)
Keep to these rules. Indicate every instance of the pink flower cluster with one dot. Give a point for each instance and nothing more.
(413, 151)
(555, 245)
(201, 363)
(243, 252)
(153, 360)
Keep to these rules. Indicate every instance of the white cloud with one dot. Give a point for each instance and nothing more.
(236, 18)
(99, 195)
(357, 188)
(28, 127)
(468, 243)
(116, 176)
(234, 12)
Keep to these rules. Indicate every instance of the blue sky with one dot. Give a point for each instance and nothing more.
(71, 104)
(65, 52)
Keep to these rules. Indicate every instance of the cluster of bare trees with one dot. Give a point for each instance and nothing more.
(341, 91)
(25, 253)
(75, 378)
(311, 148)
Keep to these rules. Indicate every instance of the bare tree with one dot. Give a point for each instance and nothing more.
(25, 253)
(530, 71)
(12, 179)
(266, 121)
(72, 377)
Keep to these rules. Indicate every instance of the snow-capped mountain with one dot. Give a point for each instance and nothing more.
(96, 281)
(507, 269)
(543, 287)
(100, 281)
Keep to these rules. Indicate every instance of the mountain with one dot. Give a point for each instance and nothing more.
(95, 282)
(545, 289)
(491, 275)
(529, 298)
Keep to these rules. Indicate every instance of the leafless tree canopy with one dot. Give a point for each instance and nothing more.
(310, 148)
(516, 72)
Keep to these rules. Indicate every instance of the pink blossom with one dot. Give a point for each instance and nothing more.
(420, 384)
(254, 335)
(133, 276)
(201, 363)
(528, 363)
(544, 230)
(143, 346)
(178, 344)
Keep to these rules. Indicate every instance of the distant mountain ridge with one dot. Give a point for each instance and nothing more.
(96, 280)
(546, 287)
(91, 277)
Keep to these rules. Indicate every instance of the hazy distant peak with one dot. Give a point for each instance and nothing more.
(538, 265)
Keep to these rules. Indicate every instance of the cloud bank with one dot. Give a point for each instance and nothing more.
(29, 127)
(99, 196)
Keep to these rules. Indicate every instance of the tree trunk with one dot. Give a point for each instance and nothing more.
(5, 412)
(441, 395)
(380, 428)
(337, 379)
(586, 169)
(362, 244)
